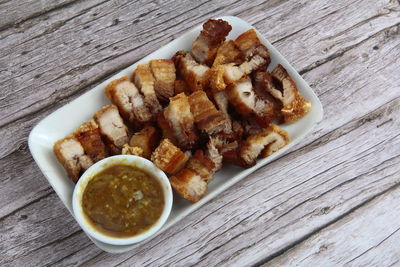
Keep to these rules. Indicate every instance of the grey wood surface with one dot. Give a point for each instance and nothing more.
(332, 200)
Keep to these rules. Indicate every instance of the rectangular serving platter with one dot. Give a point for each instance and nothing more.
(66, 119)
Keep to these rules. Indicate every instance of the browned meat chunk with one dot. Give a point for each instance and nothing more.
(147, 139)
(206, 116)
(112, 128)
(88, 134)
(132, 150)
(210, 38)
(195, 74)
(285, 90)
(266, 142)
(129, 101)
(168, 157)
(248, 104)
(71, 155)
(144, 80)
(181, 121)
(263, 84)
(166, 130)
(249, 43)
(189, 185)
(164, 73)
(181, 87)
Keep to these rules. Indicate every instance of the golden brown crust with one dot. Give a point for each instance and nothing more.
(181, 121)
(147, 139)
(295, 106)
(206, 116)
(168, 157)
(132, 150)
(196, 75)
(129, 101)
(263, 143)
(112, 128)
(189, 185)
(228, 52)
(164, 73)
(167, 131)
(202, 165)
(88, 134)
(181, 87)
(247, 40)
(262, 85)
(71, 155)
(206, 44)
(144, 80)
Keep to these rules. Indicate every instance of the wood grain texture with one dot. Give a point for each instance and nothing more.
(347, 169)
(358, 247)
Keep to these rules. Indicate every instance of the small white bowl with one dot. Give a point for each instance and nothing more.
(138, 162)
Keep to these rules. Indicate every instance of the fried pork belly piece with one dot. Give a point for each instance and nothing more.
(263, 84)
(144, 80)
(132, 150)
(223, 75)
(249, 43)
(243, 98)
(168, 157)
(195, 74)
(230, 154)
(147, 139)
(285, 90)
(213, 153)
(181, 120)
(239, 59)
(220, 149)
(88, 134)
(210, 38)
(206, 116)
(221, 100)
(266, 142)
(227, 53)
(129, 101)
(181, 87)
(233, 73)
(166, 130)
(112, 128)
(71, 155)
(189, 185)
(164, 73)
(202, 165)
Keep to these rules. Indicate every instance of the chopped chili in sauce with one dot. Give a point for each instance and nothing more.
(123, 201)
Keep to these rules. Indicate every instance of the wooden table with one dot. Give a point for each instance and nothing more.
(332, 200)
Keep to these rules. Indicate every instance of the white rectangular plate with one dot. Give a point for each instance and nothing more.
(66, 119)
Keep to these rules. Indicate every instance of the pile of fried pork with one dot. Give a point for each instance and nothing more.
(189, 114)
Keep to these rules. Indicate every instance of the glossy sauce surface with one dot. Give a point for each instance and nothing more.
(123, 201)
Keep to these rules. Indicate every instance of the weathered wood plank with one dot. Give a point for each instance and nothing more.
(371, 232)
(41, 228)
(263, 215)
(12, 13)
(323, 78)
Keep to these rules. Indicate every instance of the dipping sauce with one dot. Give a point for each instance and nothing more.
(123, 201)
